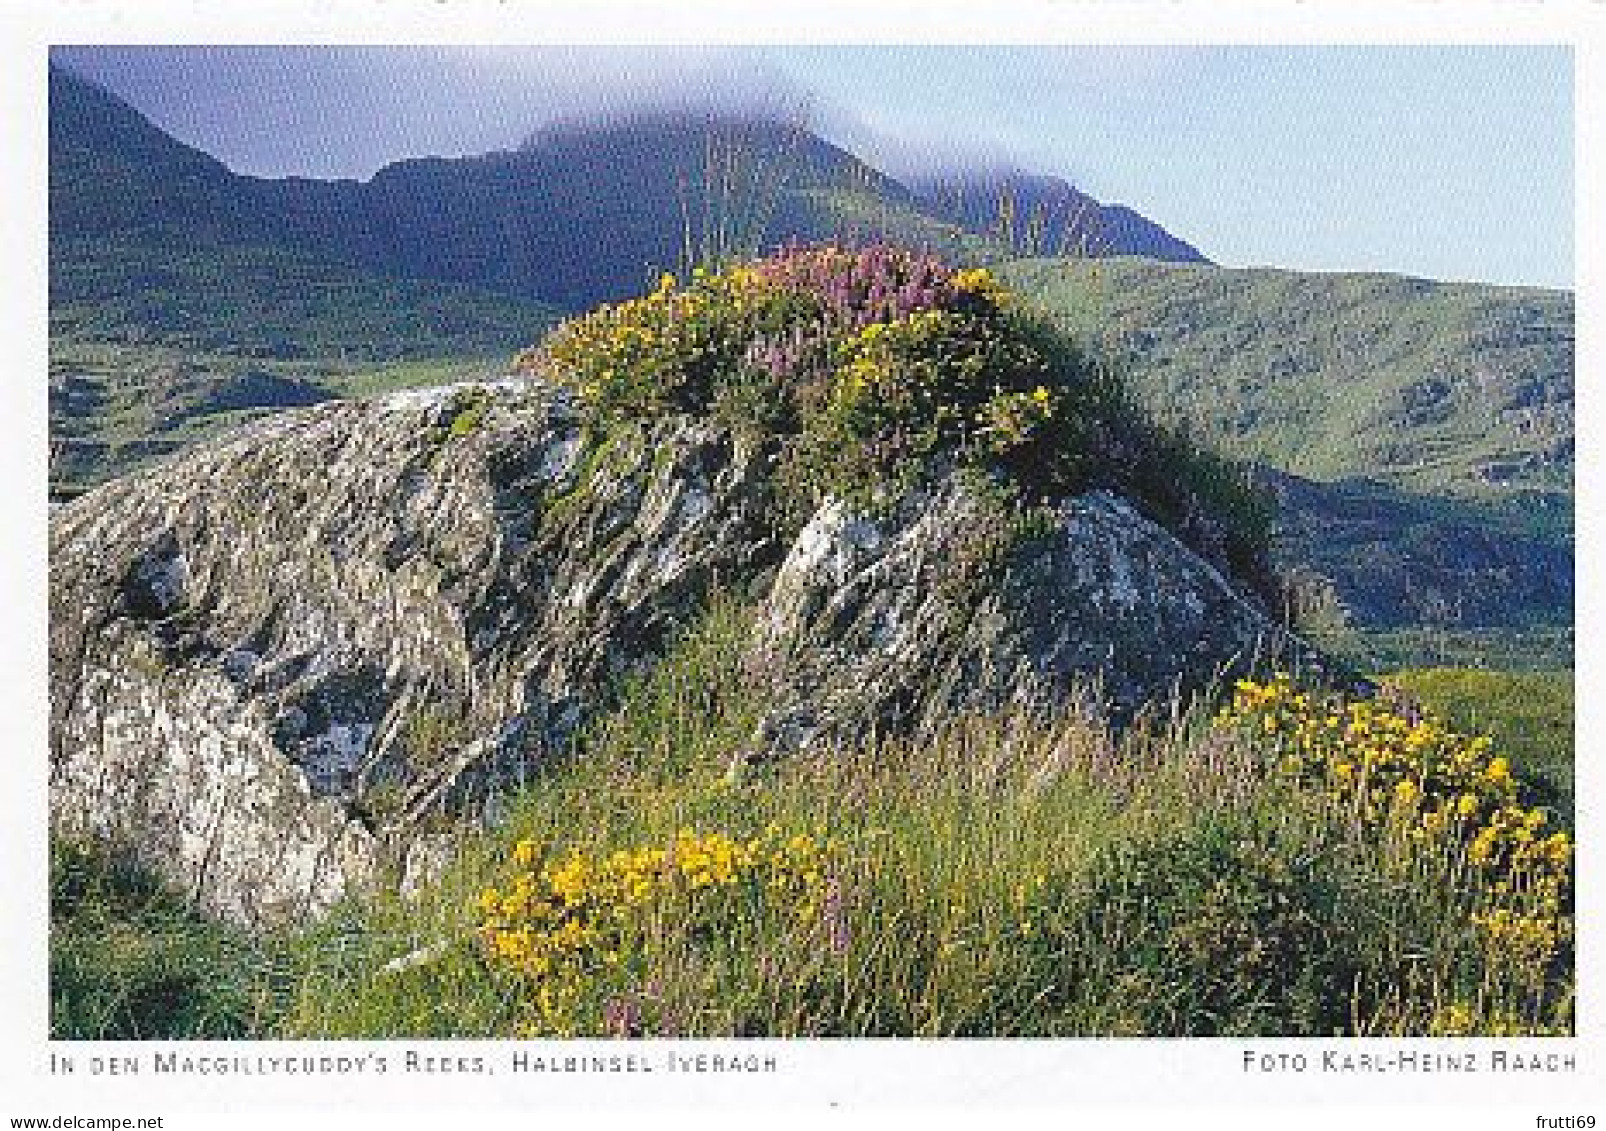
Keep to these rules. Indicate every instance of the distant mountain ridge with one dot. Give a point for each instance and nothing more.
(1036, 215)
(578, 215)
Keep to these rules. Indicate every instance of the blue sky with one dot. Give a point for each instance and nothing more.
(1448, 162)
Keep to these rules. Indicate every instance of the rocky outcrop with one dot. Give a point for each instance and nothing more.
(943, 609)
(277, 660)
(274, 658)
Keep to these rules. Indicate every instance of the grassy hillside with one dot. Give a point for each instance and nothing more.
(115, 407)
(1528, 714)
(1386, 650)
(271, 303)
(1418, 435)
(1429, 386)
(155, 346)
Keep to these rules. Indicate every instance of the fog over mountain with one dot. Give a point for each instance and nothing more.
(441, 102)
(583, 211)
(1251, 151)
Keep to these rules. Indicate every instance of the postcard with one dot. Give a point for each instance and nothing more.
(816, 559)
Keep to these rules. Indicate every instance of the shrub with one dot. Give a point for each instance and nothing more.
(1213, 931)
(1528, 714)
(583, 933)
(870, 368)
(1468, 893)
(1381, 768)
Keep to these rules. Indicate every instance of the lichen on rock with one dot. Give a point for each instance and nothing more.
(946, 608)
(244, 641)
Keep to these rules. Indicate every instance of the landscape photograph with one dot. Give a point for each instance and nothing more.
(810, 542)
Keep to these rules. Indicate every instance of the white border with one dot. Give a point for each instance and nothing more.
(1164, 1083)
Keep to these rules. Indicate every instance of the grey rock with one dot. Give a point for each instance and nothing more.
(277, 659)
(283, 662)
(939, 611)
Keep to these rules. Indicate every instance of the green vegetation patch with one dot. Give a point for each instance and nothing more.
(1263, 871)
(270, 303)
(1536, 649)
(1435, 387)
(129, 960)
(869, 368)
(1528, 714)
(156, 345)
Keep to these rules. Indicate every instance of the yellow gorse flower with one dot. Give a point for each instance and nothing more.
(980, 281)
(1449, 794)
(557, 925)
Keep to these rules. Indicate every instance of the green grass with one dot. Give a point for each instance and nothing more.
(1004, 878)
(941, 838)
(1512, 649)
(1430, 386)
(1001, 879)
(130, 961)
(1529, 714)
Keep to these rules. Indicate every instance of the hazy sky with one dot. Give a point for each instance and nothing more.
(1449, 162)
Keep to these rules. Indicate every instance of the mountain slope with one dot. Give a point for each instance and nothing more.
(1373, 555)
(1436, 386)
(576, 216)
(156, 343)
(111, 170)
(1418, 435)
(184, 297)
(1036, 215)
